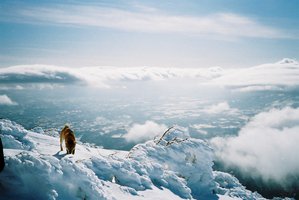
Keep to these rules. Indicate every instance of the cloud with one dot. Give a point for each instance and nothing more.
(5, 100)
(144, 132)
(218, 108)
(99, 76)
(11, 87)
(266, 147)
(149, 73)
(272, 76)
(253, 88)
(37, 74)
(144, 20)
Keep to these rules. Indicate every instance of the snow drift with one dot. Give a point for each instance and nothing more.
(175, 167)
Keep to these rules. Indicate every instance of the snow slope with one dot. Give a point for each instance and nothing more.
(176, 167)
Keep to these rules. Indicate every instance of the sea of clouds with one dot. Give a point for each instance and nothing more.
(271, 76)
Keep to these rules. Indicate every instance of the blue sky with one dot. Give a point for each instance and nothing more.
(174, 33)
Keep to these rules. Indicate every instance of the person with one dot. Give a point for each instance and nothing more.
(2, 163)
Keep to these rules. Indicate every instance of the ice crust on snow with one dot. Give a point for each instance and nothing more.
(179, 167)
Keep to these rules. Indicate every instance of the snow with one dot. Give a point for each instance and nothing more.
(175, 167)
(228, 185)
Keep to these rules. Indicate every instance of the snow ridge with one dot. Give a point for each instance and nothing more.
(178, 167)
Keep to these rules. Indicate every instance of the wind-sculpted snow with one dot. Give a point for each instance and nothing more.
(14, 136)
(175, 167)
(191, 159)
(229, 185)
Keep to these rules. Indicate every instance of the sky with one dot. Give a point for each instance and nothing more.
(193, 33)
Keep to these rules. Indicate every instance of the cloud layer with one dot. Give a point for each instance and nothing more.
(144, 132)
(272, 76)
(38, 74)
(263, 77)
(266, 147)
(144, 20)
(99, 76)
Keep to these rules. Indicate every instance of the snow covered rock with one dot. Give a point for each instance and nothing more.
(14, 136)
(230, 186)
(190, 159)
(176, 167)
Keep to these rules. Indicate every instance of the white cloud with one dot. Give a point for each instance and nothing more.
(5, 100)
(99, 76)
(38, 74)
(217, 108)
(11, 87)
(146, 131)
(272, 76)
(146, 20)
(253, 88)
(266, 147)
(201, 126)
